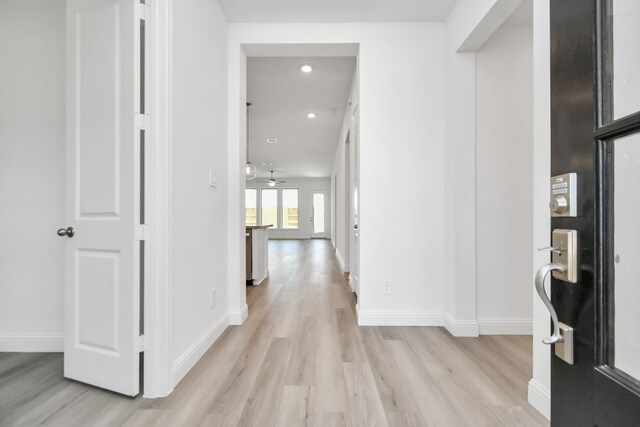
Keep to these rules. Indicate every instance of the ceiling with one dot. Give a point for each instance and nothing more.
(282, 96)
(336, 10)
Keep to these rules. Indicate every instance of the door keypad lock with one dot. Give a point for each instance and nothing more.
(565, 267)
(563, 194)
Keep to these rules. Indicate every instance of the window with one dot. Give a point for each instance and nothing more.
(251, 206)
(269, 207)
(290, 208)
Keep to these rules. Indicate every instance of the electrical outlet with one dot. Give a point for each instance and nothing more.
(386, 287)
(212, 298)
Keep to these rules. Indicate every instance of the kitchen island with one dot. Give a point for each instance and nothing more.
(257, 243)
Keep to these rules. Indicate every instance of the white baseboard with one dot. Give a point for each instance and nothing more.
(189, 358)
(461, 328)
(237, 317)
(505, 326)
(343, 266)
(540, 398)
(398, 318)
(31, 343)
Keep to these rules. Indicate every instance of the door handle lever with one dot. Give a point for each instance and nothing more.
(541, 275)
(551, 249)
(66, 232)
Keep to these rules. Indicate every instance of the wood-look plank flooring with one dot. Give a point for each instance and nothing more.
(300, 360)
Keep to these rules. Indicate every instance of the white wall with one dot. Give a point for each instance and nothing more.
(459, 183)
(469, 25)
(540, 384)
(32, 105)
(342, 223)
(199, 215)
(504, 182)
(402, 136)
(306, 187)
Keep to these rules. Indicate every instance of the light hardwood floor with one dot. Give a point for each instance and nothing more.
(300, 359)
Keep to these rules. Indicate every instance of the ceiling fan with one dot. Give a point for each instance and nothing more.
(271, 182)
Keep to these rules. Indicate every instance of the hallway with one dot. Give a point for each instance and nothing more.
(300, 359)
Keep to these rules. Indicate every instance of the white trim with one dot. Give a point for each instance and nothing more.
(237, 317)
(189, 358)
(236, 156)
(158, 375)
(505, 326)
(353, 289)
(343, 266)
(398, 318)
(460, 328)
(540, 398)
(30, 343)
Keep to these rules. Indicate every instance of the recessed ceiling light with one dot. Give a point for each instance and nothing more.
(311, 115)
(272, 140)
(306, 68)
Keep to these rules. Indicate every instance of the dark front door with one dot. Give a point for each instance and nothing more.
(595, 133)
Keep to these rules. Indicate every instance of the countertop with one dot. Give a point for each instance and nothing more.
(258, 227)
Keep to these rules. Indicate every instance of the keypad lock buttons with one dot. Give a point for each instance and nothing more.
(563, 193)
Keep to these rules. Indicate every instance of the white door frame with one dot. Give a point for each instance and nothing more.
(158, 372)
(236, 140)
(354, 200)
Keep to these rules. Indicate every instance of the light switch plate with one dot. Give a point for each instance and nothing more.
(213, 179)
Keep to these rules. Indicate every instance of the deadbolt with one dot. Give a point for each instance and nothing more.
(563, 195)
(559, 204)
(66, 232)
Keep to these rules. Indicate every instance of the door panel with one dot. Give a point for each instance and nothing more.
(354, 273)
(591, 391)
(318, 218)
(624, 316)
(572, 150)
(102, 292)
(621, 65)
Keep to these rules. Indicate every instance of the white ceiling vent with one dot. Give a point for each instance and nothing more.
(272, 140)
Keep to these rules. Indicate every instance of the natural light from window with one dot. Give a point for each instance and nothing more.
(290, 208)
(251, 206)
(269, 207)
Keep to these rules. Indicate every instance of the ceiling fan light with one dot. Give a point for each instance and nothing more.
(272, 183)
(250, 171)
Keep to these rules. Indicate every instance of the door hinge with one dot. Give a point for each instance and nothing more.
(141, 121)
(142, 10)
(141, 232)
(140, 344)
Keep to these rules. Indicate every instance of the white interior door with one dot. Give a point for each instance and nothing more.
(102, 290)
(354, 273)
(319, 216)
